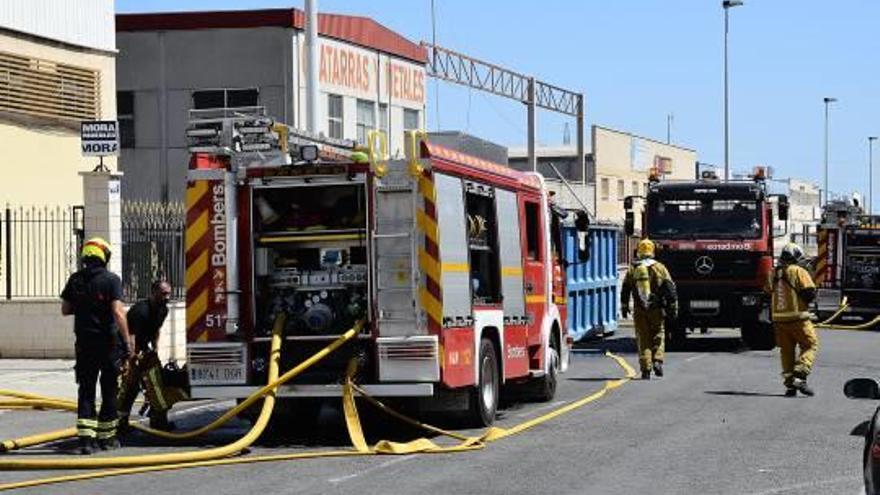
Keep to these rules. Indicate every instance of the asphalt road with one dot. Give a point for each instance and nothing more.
(716, 424)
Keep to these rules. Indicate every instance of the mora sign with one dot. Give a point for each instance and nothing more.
(99, 138)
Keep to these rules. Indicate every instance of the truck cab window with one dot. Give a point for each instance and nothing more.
(533, 247)
(483, 244)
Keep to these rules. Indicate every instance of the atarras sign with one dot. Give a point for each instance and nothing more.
(354, 69)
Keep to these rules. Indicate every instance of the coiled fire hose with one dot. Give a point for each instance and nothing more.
(268, 391)
(421, 445)
(844, 305)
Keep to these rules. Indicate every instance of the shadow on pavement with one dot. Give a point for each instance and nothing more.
(860, 429)
(740, 393)
(617, 345)
(709, 344)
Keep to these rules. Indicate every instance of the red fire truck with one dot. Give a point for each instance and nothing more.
(453, 263)
(716, 239)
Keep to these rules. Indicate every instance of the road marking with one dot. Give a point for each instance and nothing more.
(384, 465)
(800, 486)
(694, 358)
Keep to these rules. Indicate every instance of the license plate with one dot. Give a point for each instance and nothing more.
(705, 304)
(216, 375)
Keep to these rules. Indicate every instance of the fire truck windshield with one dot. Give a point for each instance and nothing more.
(704, 218)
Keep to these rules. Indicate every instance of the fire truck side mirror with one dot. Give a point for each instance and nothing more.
(783, 208)
(628, 203)
(582, 225)
(629, 224)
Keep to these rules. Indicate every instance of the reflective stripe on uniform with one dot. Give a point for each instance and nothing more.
(86, 427)
(785, 299)
(107, 429)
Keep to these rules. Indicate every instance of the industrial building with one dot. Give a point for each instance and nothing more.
(57, 68)
(618, 166)
(171, 63)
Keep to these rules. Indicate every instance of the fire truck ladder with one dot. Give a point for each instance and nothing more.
(394, 241)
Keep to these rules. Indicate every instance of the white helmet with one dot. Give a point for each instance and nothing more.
(791, 253)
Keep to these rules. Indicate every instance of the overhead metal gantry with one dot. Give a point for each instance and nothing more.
(448, 65)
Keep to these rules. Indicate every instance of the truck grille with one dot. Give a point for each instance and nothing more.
(726, 265)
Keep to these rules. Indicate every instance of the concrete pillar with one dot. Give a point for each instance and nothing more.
(103, 216)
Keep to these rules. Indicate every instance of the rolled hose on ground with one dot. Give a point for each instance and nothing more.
(383, 447)
(228, 415)
(844, 305)
(208, 454)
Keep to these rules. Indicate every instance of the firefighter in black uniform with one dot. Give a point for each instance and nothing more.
(94, 296)
(145, 319)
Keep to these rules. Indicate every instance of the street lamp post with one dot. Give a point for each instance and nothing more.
(727, 4)
(828, 101)
(871, 140)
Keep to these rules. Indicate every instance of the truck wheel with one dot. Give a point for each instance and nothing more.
(484, 396)
(676, 334)
(759, 336)
(545, 387)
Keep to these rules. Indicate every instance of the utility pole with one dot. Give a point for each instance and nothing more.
(828, 101)
(669, 119)
(312, 66)
(871, 140)
(727, 4)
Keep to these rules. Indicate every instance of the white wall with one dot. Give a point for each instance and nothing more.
(36, 329)
(87, 23)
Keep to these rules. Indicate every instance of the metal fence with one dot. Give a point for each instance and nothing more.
(38, 249)
(152, 247)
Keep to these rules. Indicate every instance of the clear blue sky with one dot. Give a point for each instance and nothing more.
(638, 60)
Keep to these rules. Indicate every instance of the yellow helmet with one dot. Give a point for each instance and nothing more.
(645, 249)
(96, 247)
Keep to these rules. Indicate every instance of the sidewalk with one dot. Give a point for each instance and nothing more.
(51, 377)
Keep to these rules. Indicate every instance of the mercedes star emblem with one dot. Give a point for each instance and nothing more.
(704, 265)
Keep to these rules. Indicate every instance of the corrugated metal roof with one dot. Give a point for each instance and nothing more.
(85, 23)
(353, 29)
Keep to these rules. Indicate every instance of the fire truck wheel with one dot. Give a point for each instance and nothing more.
(545, 387)
(484, 397)
(676, 334)
(758, 337)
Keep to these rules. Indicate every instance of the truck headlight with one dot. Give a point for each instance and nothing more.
(750, 300)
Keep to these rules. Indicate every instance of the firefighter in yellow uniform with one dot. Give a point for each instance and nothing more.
(791, 291)
(652, 288)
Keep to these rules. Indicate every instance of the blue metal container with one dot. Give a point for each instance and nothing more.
(592, 285)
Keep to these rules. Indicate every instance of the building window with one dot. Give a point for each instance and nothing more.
(43, 88)
(366, 121)
(334, 116)
(225, 98)
(410, 121)
(383, 117)
(635, 188)
(125, 117)
(621, 192)
(605, 190)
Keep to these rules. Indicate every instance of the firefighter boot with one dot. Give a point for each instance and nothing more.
(800, 383)
(646, 374)
(658, 368)
(111, 443)
(159, 421)
(790, 391)
(87, 446)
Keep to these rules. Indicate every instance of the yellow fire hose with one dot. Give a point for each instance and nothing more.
(422, 445)
(844, 305)
(228, 415)
(208, 454)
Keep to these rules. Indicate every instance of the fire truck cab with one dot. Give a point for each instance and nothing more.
(453, 264)
(716, 239)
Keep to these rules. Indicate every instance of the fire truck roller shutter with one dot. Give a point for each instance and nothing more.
(455, 276)
(510, 254)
